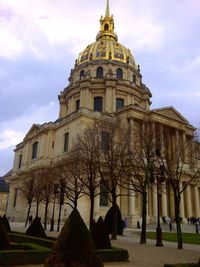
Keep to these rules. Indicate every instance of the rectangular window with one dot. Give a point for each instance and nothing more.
(15, 198)
(119, 103)
(103, 194)
(66, 141)
(34, 150)
(98, 103)
(77, 104)
(20, 161)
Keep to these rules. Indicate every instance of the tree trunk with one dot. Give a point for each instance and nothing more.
(114, 220)
(28, 212)
(45, 215)
(178, 225)
(59, 216)
(144, 218)
(37, 209)
(91, 209)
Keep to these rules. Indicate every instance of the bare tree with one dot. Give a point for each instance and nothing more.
(74, 185)
(112, 149)
(141, 163)
(178, 161)
(26, 189)
(47, 185)
(86, 145)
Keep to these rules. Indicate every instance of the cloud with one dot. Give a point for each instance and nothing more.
(9, 138)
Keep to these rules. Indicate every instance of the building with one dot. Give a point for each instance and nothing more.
(4, 190)
(105, 81)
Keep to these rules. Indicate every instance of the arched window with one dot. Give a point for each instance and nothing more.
(106, 27)
(82, 73)
(99, 73)
(34, 150)
(134, 78)
(98, 103)
(119, 74)
(119, 103)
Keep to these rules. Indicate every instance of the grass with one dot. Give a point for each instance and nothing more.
(190, 238)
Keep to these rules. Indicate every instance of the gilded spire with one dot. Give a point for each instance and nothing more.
(107, 10)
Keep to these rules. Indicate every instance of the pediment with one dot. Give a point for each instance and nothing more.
(171, 113)
(35, 128)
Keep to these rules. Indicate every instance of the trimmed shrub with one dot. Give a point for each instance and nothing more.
(100, 235)
(36, 228)
(109, 221)
(22, 238)
(6, 223)
(74, 247)
(113, 254)
(183, 265)
(4, 240)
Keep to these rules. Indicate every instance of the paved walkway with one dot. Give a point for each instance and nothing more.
(144, 255)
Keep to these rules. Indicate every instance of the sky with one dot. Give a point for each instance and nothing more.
(40, 40)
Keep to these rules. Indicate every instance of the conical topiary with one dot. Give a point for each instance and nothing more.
(100, 235)
(36, 228)
(74, 246)
(6, 223)
(109, 221)
(4, 240)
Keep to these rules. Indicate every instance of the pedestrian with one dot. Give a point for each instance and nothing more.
(30, 218)
(138, 224)
(197, 227)
(170, 226)
(125, 222)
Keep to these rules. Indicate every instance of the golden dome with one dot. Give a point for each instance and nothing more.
(106, 46)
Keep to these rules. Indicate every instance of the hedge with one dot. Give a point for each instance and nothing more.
(21, 238)
(113, 254)
(36, 250)
(183, 265)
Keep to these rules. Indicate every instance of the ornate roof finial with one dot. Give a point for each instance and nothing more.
(107, 10)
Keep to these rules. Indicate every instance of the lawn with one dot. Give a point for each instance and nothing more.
(191, 238)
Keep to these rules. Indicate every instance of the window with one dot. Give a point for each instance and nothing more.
(99, 73)
(105, 141)
(119, 74)
(119, 103)
(134, 78)
(34, 150)
(106, 27)
(20, 161)
(66, 141)
(82, 74)
(98, 103)
(103, 194)
(77, 104)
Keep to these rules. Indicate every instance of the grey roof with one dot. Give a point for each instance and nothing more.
(4, 188)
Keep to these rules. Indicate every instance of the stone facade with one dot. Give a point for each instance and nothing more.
(105, 81)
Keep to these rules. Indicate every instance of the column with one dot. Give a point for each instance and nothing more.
(131, 126)
(113, 100)
(131, 204)
(196, 202)
(161, 140)
(96, 207)
(182, 210)
(119, 198)
(164, 200)
(155, 200)
(188, 201)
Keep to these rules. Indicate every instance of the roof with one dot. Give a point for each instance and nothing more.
(4, 188)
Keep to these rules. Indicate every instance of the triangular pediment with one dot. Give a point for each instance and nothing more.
(171, 113)
(35, 128)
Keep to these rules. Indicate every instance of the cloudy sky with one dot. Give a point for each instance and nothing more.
(40, 40)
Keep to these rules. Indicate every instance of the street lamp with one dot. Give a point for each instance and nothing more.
(54, 202)
(160, 179)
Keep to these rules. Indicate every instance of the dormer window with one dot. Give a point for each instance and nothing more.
(106, 27)
(82, 74)
(119, 74)
(34, 150)
(99, 73)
